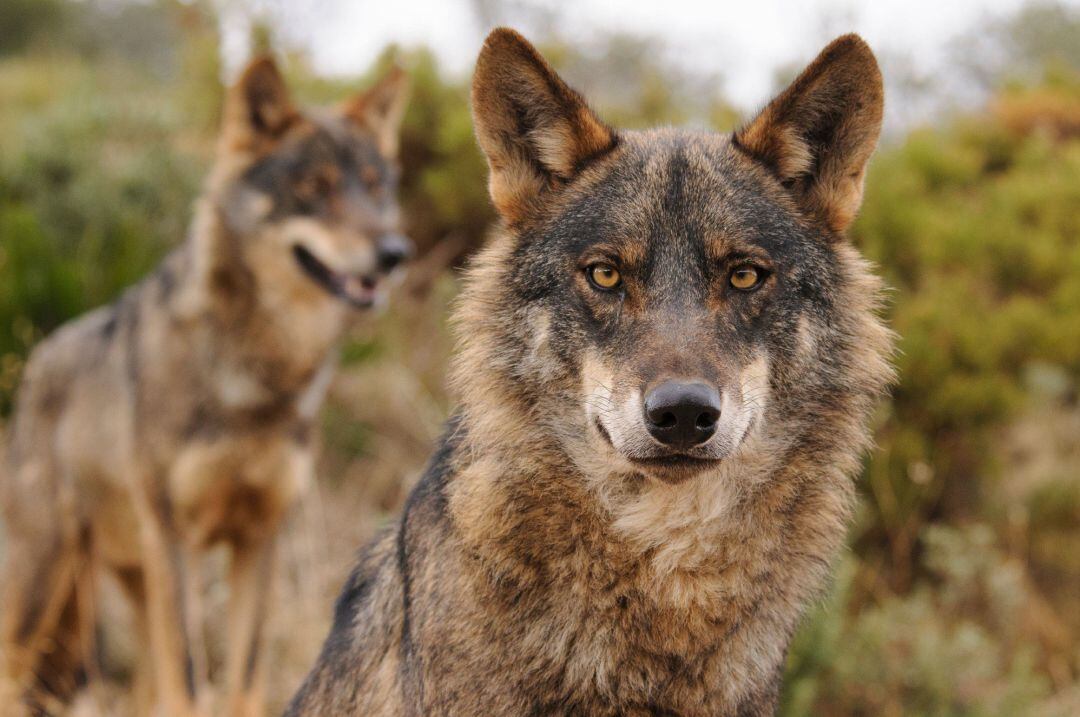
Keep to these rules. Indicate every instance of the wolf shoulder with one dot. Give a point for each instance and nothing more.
(364, 666)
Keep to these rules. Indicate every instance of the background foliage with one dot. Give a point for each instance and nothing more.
(961, 595)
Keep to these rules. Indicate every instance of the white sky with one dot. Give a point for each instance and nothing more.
(742, 40)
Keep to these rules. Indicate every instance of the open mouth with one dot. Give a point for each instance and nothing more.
(359, 291)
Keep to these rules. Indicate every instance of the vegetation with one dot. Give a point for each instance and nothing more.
(960, 594)
(960, 598)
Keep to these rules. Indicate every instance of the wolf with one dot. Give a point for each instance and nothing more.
(669, 356)
(182, 415)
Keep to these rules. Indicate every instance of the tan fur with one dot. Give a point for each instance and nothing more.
(382, 109)
(844, 80)
(182, 417)
(544, 565)
(562, 131)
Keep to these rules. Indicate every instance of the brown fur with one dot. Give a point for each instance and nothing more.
(182, 416)
(553, 561)
(835, 104)
(513, 87)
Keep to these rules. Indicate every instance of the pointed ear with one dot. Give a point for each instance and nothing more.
(382, 108)
(536, 131)
(819, 133)
(258, 108)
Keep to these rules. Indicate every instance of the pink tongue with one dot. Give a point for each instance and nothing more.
(355, 286)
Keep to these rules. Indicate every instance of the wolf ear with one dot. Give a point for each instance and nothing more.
(819, 133)
(382, 108)
(536, 131)
(258, 108)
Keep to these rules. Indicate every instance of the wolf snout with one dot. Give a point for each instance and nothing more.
(392, 250)
(682, 414)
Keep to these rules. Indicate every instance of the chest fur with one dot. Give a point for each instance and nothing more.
(692, 615)
(698, 642)
(237, 487)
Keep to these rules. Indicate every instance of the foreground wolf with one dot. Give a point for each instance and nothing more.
(669, 357)
(182, 415)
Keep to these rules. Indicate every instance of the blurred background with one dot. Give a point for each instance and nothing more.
(960, 594)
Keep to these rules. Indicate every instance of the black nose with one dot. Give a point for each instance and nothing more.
(392, 250)
(681, 414)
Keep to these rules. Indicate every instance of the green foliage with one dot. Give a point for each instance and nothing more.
(975, 226)
(444, 184)
(92, 192)
(23, 21)
(976, 230)
(942, 650)
(1022, 47)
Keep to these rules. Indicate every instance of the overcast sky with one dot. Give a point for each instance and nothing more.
(744, 41)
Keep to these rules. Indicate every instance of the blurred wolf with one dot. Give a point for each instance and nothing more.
(669, 358)
(182, 415)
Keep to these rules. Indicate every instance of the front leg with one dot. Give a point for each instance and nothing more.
(165, 589)
(249, 596)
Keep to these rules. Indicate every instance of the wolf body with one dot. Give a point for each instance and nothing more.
(669, 355)
(182, 415)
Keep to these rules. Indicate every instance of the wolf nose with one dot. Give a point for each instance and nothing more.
(681, 414)
(392, 250)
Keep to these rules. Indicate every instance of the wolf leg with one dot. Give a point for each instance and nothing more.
(39, 614)
(142, 672)
(163, 570)
(69, 661)
(249, 578)
(193, 612)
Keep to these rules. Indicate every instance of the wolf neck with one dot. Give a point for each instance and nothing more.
(278, 348)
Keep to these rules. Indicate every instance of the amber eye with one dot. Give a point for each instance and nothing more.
(317, 186)
(604, 276)
(746, 277)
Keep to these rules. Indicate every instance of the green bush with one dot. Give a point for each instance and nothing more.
(975, 226)
(92, 192)
(949, 648)
(976, 229)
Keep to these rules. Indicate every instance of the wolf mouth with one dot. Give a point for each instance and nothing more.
(672, 468)
(675, 468)
(357, 291)
(678, 461)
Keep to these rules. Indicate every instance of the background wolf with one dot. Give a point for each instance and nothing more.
(181, 416)
(669, 356)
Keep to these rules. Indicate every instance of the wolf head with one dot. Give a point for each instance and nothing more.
(309, 197)
(658, 299)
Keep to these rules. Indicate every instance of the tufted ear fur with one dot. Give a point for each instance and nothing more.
(382, 108)
(258, 109)
(536, 131)
(818, 134)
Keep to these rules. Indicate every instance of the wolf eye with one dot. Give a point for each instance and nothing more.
(318, 184)
(370, 177)
(746, 277)
(604, 276)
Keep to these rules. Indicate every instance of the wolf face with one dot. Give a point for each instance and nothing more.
(310, 196)
(673, 294)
